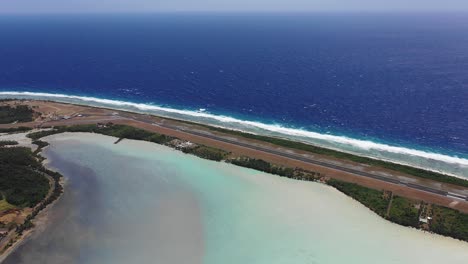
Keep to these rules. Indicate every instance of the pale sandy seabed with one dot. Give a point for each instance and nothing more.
(138, 202)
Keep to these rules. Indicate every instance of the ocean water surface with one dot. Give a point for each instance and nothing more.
(138, 202)
(391, 86)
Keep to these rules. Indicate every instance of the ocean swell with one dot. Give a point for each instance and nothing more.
(455, 166)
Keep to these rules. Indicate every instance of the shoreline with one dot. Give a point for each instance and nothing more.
(355, 201)
(97, 120)
(350, 190)
(182, 129)
(263, 182)
(234, 131)
(361, 146)
(40, 220)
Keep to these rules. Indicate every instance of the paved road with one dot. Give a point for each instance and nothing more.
(324, 164)
(314, 162)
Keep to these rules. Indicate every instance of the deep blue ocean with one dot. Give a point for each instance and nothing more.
(400, 79)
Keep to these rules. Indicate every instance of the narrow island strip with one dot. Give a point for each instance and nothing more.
(438, 210)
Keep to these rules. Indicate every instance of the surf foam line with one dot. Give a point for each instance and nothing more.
(455, 166)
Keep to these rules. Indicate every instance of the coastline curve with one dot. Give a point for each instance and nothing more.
(437, 162)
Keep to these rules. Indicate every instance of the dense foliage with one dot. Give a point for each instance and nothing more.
(264, 166)
(403, 212)
(445, 221)
(21, 183)
(373, 199)
(207, 153)
(123, 131)
(40, 134)
(400, 210)
(20, 113)
(8, 143)
(449, 222)
(40, 144)
(15, 129)
(58, 190)
(119, 131)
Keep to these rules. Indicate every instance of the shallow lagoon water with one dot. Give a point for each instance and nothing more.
(138, 202)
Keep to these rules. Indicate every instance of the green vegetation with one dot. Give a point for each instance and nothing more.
(44, 133)
(261, 165)
(19, 113)
(4, 205)
(404, 212)
(129, 132)
(372, 199)
(400, 210)
(15, 129)
(123, 131)
(58, 190)
(40, 145)
(8, 143)
(158, 138)
(449, 222)
(23, 182)
(346, 156)
(20, 181)
(207, 152)
(264, 166)
(119, 131)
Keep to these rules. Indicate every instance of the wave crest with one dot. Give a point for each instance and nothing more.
(455, 166)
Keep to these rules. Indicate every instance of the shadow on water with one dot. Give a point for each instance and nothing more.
(103, 218)
(67, 228)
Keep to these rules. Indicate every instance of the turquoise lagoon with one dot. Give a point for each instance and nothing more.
(138, 202)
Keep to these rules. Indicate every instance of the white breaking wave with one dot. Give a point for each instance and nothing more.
(431, 161)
